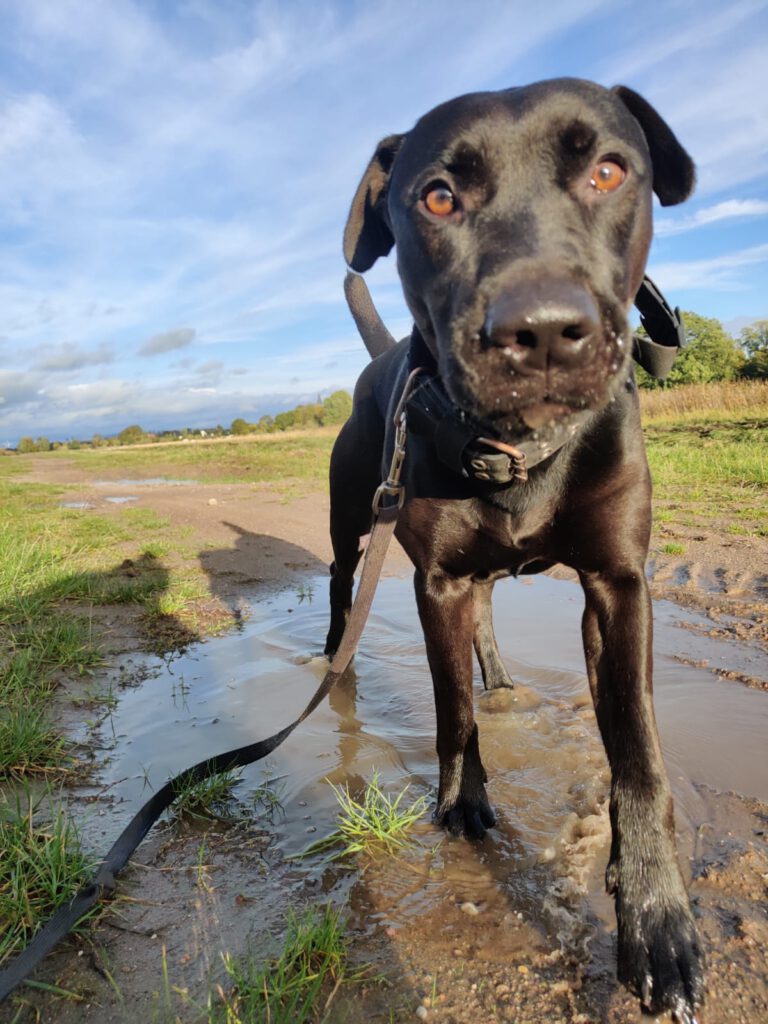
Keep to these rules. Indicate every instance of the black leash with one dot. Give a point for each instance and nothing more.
(103, 884)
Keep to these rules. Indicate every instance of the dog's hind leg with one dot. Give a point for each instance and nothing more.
(355, 475)
(492, 667)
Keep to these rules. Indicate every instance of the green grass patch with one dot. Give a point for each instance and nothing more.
(209, 799)
(42, 866)
(709, 473)
(29, 743)
(297, 985)
(375, 823)
(144, 519)
(673, 548)
(263, 458)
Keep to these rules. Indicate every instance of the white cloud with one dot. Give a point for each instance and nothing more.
(720, 272)
(167, 341)
(72, 357)
(729, 209)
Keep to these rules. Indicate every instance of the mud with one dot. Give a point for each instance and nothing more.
(514, 928)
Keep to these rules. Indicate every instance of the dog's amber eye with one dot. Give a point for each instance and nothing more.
(440, 200)
(607, 176)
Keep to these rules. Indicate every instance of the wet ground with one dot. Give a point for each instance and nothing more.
(516, 927)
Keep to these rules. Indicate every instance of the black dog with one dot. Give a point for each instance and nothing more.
(522, 221)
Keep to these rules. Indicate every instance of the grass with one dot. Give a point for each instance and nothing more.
(281, 459)
(721, 401)
(42, 866)
(56, 567)
(298, 984)
(210, 799)
(376, 823)
(709, 462)
(29, 743)
(267, 798)
(295, 986)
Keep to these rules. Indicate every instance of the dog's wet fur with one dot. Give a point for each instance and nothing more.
(520, 296)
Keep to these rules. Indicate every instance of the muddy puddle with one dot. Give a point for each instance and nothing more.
(539, 874)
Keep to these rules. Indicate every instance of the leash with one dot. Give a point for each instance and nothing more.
(387, 502)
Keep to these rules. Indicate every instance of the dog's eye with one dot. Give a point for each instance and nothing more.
(440, 200)
(607, 176)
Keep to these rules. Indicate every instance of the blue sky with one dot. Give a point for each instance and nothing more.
(174, 180)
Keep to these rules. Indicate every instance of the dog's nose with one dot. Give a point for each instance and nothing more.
(542, 322)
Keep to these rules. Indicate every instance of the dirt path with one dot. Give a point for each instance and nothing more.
(461, 968)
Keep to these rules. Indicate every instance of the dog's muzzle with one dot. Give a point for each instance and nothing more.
(543, 324)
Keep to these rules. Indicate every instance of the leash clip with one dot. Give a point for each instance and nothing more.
(392, 487)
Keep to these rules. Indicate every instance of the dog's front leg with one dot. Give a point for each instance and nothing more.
(659, 954)
(446, 609)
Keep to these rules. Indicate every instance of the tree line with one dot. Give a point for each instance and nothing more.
(331, 411)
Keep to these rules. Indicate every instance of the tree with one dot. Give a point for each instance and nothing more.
(26, 445)
(710, 354)
(754, 340)
(240, 426)
(337, 407)
(131, 435)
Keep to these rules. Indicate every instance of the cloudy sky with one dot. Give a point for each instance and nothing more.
(174, 179)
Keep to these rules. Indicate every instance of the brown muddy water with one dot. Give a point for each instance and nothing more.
(539, 873)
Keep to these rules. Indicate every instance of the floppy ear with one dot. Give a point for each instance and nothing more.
(367, 234)
(674, 174)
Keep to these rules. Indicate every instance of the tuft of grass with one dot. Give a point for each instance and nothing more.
(208, 800)
(288, 989)
(42, 866)
(267, 796)
(673, 548)
(377, 822)
(29, 744)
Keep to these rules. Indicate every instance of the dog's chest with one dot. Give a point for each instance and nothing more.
(473, 538)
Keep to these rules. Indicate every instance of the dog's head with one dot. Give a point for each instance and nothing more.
(522, 221)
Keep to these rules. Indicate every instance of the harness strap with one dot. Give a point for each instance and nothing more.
(103, 884)
(666, 331)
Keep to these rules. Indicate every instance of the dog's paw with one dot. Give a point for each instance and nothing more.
(660, 959)
(467, 816)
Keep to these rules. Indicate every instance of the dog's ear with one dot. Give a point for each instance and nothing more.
(367, 234)
(674, 174)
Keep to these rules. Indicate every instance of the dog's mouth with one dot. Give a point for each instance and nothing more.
(541, 415)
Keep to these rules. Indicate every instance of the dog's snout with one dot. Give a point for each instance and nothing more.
(541, 323)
